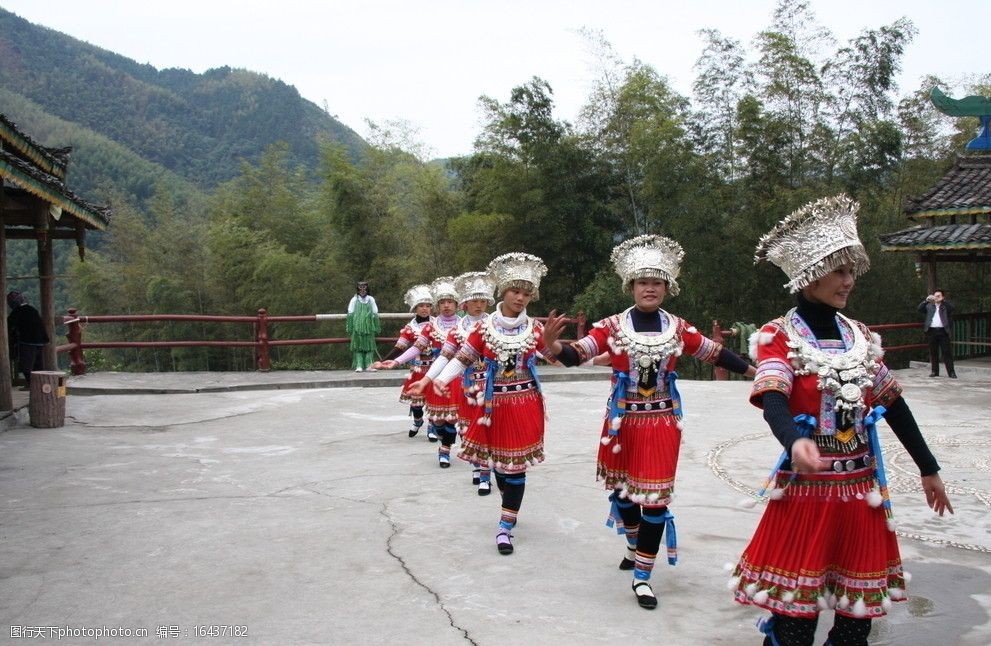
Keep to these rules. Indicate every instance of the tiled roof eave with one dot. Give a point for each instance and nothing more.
(937, 247)
(31, 149)
(48, 188)
(969, 210)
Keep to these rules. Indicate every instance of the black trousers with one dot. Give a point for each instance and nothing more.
(29, 359)
(939, 342)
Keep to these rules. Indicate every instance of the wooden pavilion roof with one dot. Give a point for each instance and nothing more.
(964, 190)
(967, 238)
(29, 170)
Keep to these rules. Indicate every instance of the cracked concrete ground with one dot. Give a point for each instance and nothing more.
(309, 516)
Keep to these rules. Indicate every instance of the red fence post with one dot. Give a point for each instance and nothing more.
(77, 362)
(261, 338)
(719, 374)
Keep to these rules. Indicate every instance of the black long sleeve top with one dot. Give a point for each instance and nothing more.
(821, 319)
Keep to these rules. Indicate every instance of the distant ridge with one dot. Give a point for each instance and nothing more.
(199, 127)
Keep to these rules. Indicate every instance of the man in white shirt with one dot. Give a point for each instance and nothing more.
(938, 326)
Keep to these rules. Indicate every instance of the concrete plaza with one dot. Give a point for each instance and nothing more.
(295, 505)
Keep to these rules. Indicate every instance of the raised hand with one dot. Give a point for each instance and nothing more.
(552, 331)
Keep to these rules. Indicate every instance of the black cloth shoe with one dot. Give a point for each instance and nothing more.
(413, 431)
(952, 375)
(504, 542)
(627, 564)
(933, 374)
(645, 595)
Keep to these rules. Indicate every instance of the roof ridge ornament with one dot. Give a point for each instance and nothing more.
(970, 106)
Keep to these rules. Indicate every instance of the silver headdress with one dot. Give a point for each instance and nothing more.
(442, 288)
(648, 256)
(417, 295)
(815, 240)
(518, 270)
(475, 285)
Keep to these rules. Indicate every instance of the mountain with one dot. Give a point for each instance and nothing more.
(196, 128)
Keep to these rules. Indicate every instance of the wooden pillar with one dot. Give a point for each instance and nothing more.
(46, 278)
(6, 378)
(932, 282)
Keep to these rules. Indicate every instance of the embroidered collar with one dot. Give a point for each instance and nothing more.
(647, 350)
(506, 346)
(844, 375)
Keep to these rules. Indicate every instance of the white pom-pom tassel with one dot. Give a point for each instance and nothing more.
(788, 597)
(765, 338)
(761, 597)
(733, 583)
(692, 329)
(831, 600)
(843, 603)
(729, 566)
(896, 593)
(907, 576)
(776, 494)
(891, 525)
(748, 503)
(653, 496)
(751, 589)
(680, 426)
(886, 604)
(616, 448)
(822, 602)
(624, 492)
(484, 421)
(615, 423)
(860, 608)
(606, 439)
(873, 498)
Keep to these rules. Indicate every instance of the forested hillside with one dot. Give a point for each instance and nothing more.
(199, 126)
(794, 117)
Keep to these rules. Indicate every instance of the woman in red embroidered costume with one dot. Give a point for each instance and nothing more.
(442, 411)
(510, 433)
(641, 435)
(826, 539)
(420, 302)
(475, 295)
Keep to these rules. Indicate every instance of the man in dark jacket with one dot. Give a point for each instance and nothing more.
(938, 327)
(26, 334)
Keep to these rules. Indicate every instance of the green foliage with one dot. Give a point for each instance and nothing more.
(806, 117)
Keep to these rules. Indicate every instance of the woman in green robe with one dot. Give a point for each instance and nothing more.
(363, 326)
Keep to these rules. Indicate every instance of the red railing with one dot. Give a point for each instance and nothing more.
(972, 330)
(76, 346)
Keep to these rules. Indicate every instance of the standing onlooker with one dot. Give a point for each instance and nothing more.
(26, 334)
(362, 326)
(938, 327)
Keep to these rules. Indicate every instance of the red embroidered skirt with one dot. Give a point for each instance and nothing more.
(644, 467)
(515, 438)
(469, 409)
(416, 373)
(822, 546)
(444, 410)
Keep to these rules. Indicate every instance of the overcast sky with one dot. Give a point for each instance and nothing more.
(428, 61)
